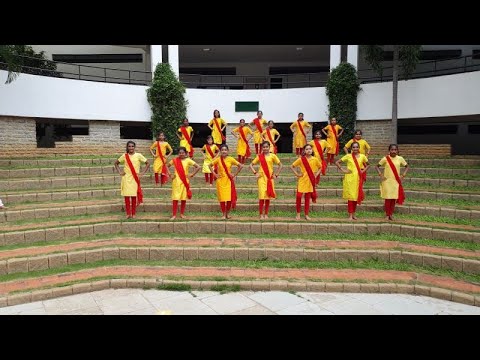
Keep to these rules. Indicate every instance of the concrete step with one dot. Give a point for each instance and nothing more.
(165, 192)
(283, 180)
(232, 228)
(156, 206)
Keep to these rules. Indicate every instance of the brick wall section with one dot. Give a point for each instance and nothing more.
(378, 132)
(17, 131)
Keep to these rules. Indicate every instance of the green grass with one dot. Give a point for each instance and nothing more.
(258, 264)
(174, 287)
(224, 289)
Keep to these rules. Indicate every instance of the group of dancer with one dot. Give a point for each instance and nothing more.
(218, 164)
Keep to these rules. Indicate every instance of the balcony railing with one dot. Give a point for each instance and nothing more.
(241, 82)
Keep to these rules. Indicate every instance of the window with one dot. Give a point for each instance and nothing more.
(98, 58)
(131, 130)
(428, 129)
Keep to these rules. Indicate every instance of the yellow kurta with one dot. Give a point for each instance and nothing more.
(183, 141)
(208, 158)
(273, 132)
(262, 180)
(257, 135)
(323, 145)
(158, 163)
(242, 145)
(332, 142)
(364, 147)
(304, 183)
(350, 181)
(389, 187)
(224, 184)
(217, 135)
(128, 186)
(179, 191)
(299, 141)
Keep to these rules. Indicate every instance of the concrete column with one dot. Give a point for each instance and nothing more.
(352, 55)
(155, 56)
(335, 56)
(173, 59)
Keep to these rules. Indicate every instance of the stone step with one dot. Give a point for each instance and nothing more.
(282, 193)
(283, 180)
(145, 254)
(109, 169)
(58, 287)
(194, 226)
(450, 162)
(155, 206)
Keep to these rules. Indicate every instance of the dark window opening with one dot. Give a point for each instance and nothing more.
(209, 71)
(476, 54)
(474, 129)
(98, 58)
(50, 131)
(135, 131)
(429, 54)
(298, 70)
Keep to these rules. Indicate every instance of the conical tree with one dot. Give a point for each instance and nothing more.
(407, 56)
(168, 103)
(342, 90)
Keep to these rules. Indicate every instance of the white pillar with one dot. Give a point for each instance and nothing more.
(335, 56)
(155, 56)
(352, 55)
(173, 59)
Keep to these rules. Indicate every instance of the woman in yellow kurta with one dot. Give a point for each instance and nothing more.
(319, 146)
(226, 191)
(129, 186)
(305, 184)
(364, 146)
(243, 148)
(180, 181)
(209, 150)
(217, 131)
(272, 136)
(332, 140)
(353, 180)
(257, 125)
(390, 188)
(300, 128)
(185, 134)
(265, 176)
(159, 157)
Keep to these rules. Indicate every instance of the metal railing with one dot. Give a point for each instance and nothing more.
(83, 72)
(281, 81)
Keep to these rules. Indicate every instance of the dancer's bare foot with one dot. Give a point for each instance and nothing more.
(173, 218)
(265, 217)
(132, 217)
(228, 216)
(354, 217)
(390, 218)
(297, 217)
(128, 216)
(211, 185)
(351, 218)
(224, 217)
(307, 217)
(261, 217)
(183, 216)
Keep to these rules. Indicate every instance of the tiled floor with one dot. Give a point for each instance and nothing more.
(154, 302)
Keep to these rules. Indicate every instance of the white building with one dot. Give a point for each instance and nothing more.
(101, 96)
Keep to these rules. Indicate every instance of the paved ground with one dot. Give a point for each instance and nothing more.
(154, 302)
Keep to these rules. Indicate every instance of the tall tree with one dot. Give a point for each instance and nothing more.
(407, 56)
(10, 62)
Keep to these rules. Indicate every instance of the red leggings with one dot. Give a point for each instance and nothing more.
(131, 206)
(260, 206)
(241, 159)
(209, 178)
(307, 202)
(330, 158)
(163, 177)
(389, 206)
(257, 146)
(352, 206)
(225, 206)
(175, 207)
